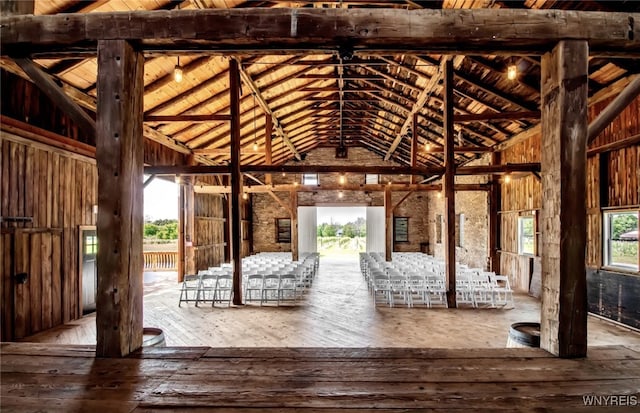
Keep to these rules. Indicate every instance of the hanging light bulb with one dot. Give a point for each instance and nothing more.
(177, 72)
(284, 174)
(512, 72)
(255, 146)
(507, 178)
(342, 179)
(427, 147)
(340, 195)
(439, 195)
(245, 196)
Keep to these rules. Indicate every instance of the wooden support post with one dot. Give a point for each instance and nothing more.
(189, 226)
(294, 225)
(414, 148)
(495, 201)
(563, 216)
(119, 156)
(181, 233)
(388, 225)
(236, 182)
(268, 131)
(449, 181)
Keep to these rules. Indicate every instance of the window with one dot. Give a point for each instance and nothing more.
(439, 229)
(401, 229)
(90, 245)
(620, 239)
(526, 235)
(283, 230)
(310, 179)
(371, 179)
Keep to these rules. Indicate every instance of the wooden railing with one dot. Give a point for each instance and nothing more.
(161, 261)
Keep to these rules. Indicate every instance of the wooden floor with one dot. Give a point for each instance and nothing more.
(54, 378)
(334, 351)
(337, 312)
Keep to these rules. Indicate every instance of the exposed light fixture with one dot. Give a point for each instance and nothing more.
(439, 195)
(512, 71)
(427, 147)
(255, 146)
(245, 196)
(178, 179)
(340, 194)
(284, 174)
(295, 183)
(507, 178)
(177, 72)
(389, 183)
(342, 179)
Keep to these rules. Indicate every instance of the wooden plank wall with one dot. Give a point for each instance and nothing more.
(208, 230)
(246, 215)
(522, 195)
(58, 192)
(23, 101)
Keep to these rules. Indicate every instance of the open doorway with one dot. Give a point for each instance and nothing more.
(160, 247)
(341, 230)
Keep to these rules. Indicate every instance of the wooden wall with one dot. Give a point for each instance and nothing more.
(23, 101)
(522, 196)
(57, 190)
(208, 243)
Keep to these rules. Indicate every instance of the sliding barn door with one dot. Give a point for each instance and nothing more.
(307, 229)
(375, 230)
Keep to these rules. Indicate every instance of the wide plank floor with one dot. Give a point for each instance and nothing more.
(336, 312)
(55, 378)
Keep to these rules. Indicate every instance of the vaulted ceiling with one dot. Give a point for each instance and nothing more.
(342, 98)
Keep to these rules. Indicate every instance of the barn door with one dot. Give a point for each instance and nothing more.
(31, 282)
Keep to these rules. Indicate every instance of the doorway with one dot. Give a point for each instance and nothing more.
(341, 230)
(88, 267)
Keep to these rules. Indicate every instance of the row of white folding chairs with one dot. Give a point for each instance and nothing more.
(392, 288)
(283, 283)
(215, 286)
(481, 288)
(473, 286)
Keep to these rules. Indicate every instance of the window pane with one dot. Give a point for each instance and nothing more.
(371, 179)
(310, 179)
(401, 229)
(622, 239)
(526, 235)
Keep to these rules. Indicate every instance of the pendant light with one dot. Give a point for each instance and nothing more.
(177, 72)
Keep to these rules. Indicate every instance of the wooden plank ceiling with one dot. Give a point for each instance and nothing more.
(343, 98)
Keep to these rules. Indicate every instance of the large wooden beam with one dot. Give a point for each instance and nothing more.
(612, 110)
(388, 225)
(563, 216)
(16, 7)
(268, 132)
(119, 156)
(265, 30)
(187, 118)
(270, 189)
(293, 197)
(236, 182)
(613, 146)
(46, 84)
(246, 78)
(414, 147)
(449, 182)
(483, 117)
(495, 201)
(382, 170)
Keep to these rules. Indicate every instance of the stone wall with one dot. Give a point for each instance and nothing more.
(474, 205)
(266, 210)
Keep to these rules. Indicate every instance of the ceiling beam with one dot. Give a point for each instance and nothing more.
(50, 88)
(487, 116)
(418, 105)
(246, 78)
(451, 31)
